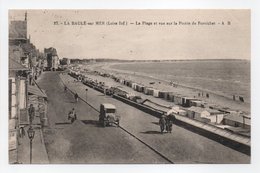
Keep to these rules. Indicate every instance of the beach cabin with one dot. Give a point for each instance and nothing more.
(197, 103)
(177, 110)
(178, 99)
(134, 86)
(148, 90)
(205, 115)
(197, 112)
(121, 81)
(171, 96)
(237, 120)
(163, 94)
(128, 83)
(187, 101)
(168, 96)
(155, 93)
(139, 88)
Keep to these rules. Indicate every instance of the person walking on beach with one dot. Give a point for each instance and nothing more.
(76, 96)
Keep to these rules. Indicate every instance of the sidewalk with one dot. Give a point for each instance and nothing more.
(39, 153)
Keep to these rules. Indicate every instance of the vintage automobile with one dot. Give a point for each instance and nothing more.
(108, 116)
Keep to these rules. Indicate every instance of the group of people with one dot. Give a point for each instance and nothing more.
(165, 123)
(72, 116)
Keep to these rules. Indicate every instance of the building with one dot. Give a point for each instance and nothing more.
(52, 59)
(17, 80)
(17, 104)
(23, 65)
(65, 61)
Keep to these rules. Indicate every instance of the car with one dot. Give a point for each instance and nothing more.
(108, 115)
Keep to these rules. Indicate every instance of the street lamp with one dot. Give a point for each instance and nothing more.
(86, 94)
(31, 133)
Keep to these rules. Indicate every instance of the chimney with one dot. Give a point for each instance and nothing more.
(25, 16)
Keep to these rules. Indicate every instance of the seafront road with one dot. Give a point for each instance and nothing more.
(85, 141)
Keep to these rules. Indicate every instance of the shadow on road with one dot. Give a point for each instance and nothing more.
(92, 122)
(100, 95)
(62, 123)
(156, 123)
(151, 132)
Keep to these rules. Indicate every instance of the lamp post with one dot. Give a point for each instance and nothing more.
(31, 133)
(86, 94)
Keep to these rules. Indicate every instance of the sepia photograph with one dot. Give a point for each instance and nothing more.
(129, 86)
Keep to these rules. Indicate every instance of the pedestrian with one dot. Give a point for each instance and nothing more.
(65, 88)
(72, 116)
(76, 96)
(168, 123)
(31, 112)
(22, 132)
(162, 122)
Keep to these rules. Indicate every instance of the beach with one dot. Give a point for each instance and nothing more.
(215, 97)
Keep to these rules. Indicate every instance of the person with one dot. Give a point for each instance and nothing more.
(31, 112)
(169, 123)
(162, 122)
(65, 88)
(22, 132)
(72, 116)
(76, 96)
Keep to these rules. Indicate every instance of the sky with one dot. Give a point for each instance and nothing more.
(141, 42)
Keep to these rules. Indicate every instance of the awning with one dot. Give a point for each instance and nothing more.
(36, 91)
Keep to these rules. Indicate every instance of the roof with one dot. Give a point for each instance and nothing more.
(238, 118)
(14, 65)
(18, 30)
(156, 106)
(36, 91)
(197, 109)
(213, 111)
(109, 106)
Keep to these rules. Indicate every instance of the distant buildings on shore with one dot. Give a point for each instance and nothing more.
(96, 60)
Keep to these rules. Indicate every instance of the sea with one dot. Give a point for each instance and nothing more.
(223, 77)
